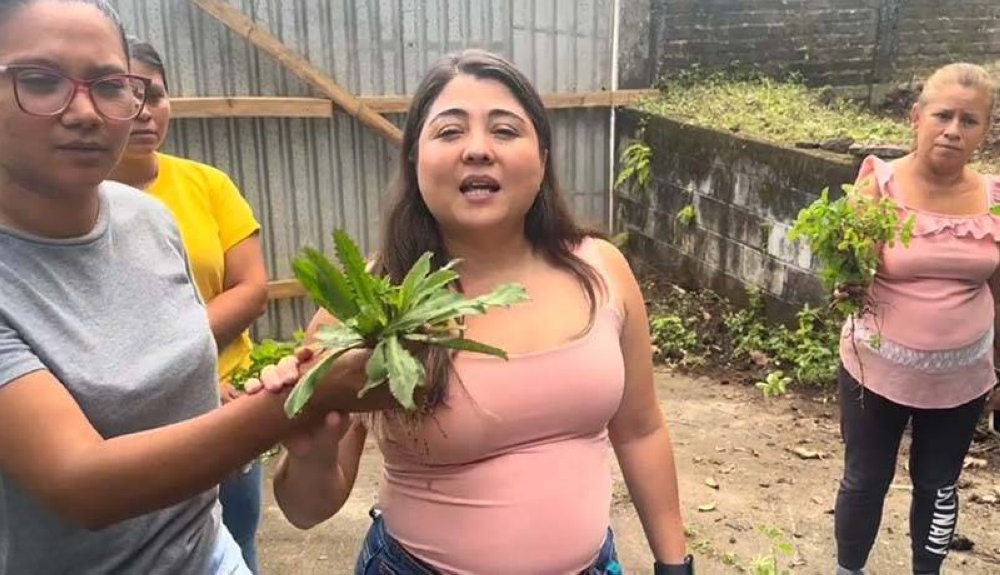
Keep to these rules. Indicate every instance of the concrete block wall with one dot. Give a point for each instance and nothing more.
(746, 194)
(863, 45)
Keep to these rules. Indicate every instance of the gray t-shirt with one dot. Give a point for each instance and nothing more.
(115, 316)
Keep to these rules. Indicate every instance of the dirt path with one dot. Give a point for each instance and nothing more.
(728, 434)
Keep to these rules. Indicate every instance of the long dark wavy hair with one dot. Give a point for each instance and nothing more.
(410, 230)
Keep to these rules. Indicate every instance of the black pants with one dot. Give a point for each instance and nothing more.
(872, 427)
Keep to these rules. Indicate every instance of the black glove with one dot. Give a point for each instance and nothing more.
(686, 568)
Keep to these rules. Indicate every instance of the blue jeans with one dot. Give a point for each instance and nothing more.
(241, 497)
(226, 557)
(383, 555)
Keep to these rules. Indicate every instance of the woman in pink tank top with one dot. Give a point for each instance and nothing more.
(510, 473)
(934, 313)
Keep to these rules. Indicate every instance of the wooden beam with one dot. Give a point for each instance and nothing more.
(285, 289)
(322, 108)
(604, 99)
(389, 104)
(251, 108)
(596, 99)
(236, 21)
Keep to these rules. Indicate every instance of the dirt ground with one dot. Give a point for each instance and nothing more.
(727, 435)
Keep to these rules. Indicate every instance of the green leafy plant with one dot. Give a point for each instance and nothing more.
(810, 350)
(267, 352)
(846, 235)
(688, 216)
(376, 314)
(775, 385)
(635, 160)
(779, 546)
(674, 341)
(813, 347)
(749, 329)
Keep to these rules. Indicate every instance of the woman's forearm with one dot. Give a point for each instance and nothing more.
(134, 474)
(233, 311)
(310, 491)
(647, 464)
(309, 495)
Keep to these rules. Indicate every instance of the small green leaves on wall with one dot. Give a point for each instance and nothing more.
(688, 216)
(635, 166)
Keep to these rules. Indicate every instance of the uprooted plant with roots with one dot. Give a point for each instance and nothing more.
(847, 235)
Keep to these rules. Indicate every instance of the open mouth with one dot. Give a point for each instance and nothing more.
(479, 186)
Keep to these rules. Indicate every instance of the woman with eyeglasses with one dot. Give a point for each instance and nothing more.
(112, 442)
(221, 236)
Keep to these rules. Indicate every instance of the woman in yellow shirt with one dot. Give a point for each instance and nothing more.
(221, 236)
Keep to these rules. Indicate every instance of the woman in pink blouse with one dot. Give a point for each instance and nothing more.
(511, 473)
(934, 314)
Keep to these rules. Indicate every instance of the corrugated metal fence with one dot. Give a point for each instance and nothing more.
(305, 177)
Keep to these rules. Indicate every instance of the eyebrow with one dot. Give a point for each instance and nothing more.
(462, 114)
(95, 72)
(967, 113)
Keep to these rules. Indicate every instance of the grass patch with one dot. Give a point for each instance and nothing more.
(782, 111)
(785, 112)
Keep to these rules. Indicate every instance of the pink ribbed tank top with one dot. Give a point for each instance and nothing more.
(512, 474)
(934, 310)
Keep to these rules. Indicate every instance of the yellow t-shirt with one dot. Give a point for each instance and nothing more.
(213, 217)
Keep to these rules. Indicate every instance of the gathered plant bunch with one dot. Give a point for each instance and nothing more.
(847, 236)
(374, 313)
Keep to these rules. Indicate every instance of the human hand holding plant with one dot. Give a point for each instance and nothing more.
(847, 236)
(264, 354)
(383, 322)
(316, 445)
(288, 371)
(850, 292)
